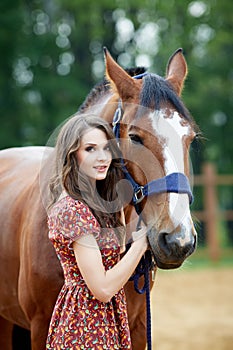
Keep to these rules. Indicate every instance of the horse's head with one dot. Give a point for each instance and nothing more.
(155, 133)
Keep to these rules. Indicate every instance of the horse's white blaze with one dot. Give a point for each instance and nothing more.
(186, 236)
(171, 132)
(180, 215)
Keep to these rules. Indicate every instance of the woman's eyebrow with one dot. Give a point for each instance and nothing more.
(95, 144)
(90, 143)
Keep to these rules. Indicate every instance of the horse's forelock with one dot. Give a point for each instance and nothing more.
(156, 90)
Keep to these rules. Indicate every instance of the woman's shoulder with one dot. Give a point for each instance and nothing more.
(67, 203)
(73, 216)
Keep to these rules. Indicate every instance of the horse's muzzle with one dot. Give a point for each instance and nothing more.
(171, 249)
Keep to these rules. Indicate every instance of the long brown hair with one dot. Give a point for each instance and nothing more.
(103, 199)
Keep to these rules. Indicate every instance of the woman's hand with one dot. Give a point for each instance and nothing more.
(108, 282)
(141, 237)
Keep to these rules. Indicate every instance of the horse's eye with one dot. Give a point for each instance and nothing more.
(136, 139)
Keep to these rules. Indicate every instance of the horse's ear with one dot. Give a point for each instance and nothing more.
(177, 71)
(120, 81)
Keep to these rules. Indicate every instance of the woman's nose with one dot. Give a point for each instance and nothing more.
(102, 154)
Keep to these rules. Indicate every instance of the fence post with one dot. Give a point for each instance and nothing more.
(211, 211)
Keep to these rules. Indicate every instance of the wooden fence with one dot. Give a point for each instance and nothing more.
(211, 214)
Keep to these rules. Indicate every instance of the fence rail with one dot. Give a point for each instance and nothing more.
(211, 214)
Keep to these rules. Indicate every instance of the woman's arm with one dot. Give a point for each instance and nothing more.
(105, 284)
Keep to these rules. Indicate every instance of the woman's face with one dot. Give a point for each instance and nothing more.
(94, 156)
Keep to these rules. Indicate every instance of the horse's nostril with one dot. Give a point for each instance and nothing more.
(172, 245)
(176, 246)
(163, 244)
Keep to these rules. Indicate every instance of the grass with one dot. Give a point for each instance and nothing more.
(201, 258)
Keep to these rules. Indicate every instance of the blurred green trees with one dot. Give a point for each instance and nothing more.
(51, 56)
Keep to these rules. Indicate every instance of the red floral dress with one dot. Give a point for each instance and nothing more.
(79, 320)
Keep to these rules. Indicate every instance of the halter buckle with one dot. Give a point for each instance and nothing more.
(139, 195)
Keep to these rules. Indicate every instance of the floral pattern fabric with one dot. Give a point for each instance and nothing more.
(79, 320)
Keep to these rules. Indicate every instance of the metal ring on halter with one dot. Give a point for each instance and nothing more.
(117, 116)
(138, 195)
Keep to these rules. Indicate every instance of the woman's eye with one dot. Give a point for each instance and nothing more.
(89, 149)
(136, 139)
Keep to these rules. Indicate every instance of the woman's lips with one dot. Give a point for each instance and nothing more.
(101, 168)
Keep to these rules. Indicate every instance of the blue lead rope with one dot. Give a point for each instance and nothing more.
(143, 269)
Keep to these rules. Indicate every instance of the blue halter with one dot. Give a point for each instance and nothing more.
(175, 182)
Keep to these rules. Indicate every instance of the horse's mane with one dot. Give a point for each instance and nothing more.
(155, 91)
(101, 88)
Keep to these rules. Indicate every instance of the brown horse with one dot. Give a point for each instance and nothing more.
(155, 134)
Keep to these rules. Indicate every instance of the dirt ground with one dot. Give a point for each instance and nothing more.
(193, 310)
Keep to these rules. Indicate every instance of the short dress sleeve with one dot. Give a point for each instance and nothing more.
(74, 220)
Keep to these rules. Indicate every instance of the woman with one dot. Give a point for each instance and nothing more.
(87, 229)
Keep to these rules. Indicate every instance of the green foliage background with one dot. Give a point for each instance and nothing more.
(51, 56)
(36, 35)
